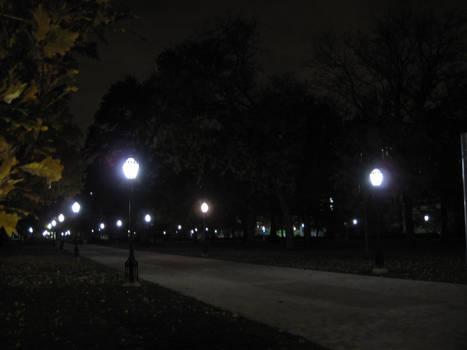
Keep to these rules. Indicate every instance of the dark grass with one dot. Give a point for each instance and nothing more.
(429, 260)
(51, 300)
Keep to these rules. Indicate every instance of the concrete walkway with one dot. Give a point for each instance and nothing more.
(339, 311)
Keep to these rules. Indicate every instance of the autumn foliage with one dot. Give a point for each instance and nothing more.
(39, 41)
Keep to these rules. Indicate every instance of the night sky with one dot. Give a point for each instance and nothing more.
(287, 30)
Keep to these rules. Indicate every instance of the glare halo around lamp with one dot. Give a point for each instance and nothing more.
(376, 177)
(130, 170)
(76, 207)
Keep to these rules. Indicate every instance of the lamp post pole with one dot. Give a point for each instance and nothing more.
(205, 234)
(75, 208)
(376, 180)
(130, 170)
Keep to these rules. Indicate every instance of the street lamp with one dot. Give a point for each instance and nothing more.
(204, 235)
(147, 218)
(130, 170)
(376, 180)
(75, 208)
(61, 219)
(119, 223)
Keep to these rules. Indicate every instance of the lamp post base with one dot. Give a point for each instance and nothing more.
(76, 250)
(131, 269)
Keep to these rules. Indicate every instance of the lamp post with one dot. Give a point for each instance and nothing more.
(75, 208)
(205, 234)
(376, 180)
(130, 170)
(61, 219)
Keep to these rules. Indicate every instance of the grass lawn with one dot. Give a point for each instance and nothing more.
(431, 260)
(51, 300)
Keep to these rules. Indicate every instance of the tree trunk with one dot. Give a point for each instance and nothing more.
(408, 219)
(307, 230)
(444, 217)
(273, 232)
(287, 221)
(249, 224)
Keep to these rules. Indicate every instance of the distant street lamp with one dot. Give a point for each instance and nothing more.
(119, 223)
(130, 170)
(426, 218)
(30, 229)
(376, 180)
(75, 208)
(147, 218)
(102, 226)
(204, 234)
(61, 217)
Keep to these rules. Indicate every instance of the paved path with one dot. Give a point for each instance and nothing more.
(339, 311)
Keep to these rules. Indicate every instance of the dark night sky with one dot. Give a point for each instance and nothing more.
(287, 29)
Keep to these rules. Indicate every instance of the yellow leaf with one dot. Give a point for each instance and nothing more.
(7, 187)
(30, 93)
(71, 88)
(8, 222)
(13, 91)
(8, 162)
(49, 168)
(61, 42)
(5, 148)
(43, 23)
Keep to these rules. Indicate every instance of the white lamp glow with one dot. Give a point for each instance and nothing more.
(204, 207)
(119, 223)
(130, 168)
(61, 217)
(376, 177)
(76, 207)
(147, 218)
(102, 226)
(54, 223)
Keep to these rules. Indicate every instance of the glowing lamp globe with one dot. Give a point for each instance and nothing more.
(130, 168)
(61, 217)
(204, 207)
(376, 177)
(355, 222)
(102, 226)
(30, 229)
(54, 223)
(119, 223)
(147, 218)
(426, 218)
(76, 207)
